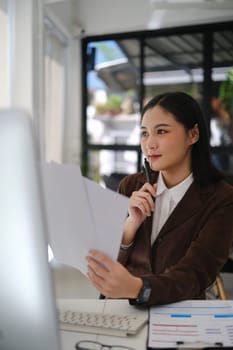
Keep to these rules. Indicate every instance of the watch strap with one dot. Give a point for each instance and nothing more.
(144, 293)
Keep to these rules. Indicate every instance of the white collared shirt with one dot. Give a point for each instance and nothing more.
(166, 201)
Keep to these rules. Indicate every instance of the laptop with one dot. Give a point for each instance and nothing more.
(27, 302)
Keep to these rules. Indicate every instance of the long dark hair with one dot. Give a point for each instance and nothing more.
(187, 111)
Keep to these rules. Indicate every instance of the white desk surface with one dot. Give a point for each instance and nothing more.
(69, 339)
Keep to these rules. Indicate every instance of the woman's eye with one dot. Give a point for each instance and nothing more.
(161, 131)
(144, 133)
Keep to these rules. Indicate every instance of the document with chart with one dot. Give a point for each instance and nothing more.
(81, 215)
(192, 323)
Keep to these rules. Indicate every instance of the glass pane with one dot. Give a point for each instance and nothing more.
(112, 79)
(173, 63)
(222, 100)
(109, 167)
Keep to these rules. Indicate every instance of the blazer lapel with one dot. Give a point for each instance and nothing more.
(186, 208)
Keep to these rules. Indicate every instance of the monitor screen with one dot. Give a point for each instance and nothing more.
(27, 303)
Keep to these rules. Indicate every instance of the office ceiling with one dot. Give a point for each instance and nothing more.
(177, 4)
(148, 14)
(168, 55)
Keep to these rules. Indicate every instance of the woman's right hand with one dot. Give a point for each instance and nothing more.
(141, 205)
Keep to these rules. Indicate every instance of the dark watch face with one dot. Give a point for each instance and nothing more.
(146, 293)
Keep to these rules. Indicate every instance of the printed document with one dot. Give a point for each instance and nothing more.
(81, 215)
(192, 323)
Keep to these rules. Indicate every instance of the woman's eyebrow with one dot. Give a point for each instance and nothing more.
(157, 126)
(162, 125)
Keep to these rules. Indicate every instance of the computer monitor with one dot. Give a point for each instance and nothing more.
(27, 304)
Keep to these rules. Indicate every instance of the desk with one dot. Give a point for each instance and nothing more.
(69, 339)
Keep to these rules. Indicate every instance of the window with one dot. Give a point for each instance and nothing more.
(123, 71)
(55, 82)
(221, 124)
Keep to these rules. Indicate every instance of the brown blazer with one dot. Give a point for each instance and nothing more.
(191, 247)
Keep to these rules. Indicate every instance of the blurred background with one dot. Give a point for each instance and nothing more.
(83, 69)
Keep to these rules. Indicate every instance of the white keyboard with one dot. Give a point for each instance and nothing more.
(99, 323)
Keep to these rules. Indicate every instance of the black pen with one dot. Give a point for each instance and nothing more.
(148, 171)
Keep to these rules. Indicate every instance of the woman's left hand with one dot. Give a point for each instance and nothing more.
(111, 278)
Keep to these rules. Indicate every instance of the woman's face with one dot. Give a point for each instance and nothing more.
(166, 143)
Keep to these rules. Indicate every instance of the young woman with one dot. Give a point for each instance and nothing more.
(179, 229)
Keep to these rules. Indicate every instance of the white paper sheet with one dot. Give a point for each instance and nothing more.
(109, 210)
(192, 323)
(81, 215)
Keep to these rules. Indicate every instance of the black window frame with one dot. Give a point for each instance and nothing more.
(207, 30)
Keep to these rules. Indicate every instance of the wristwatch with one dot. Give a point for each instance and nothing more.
(144, 293)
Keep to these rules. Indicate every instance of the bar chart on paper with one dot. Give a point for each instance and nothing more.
(192, 322)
